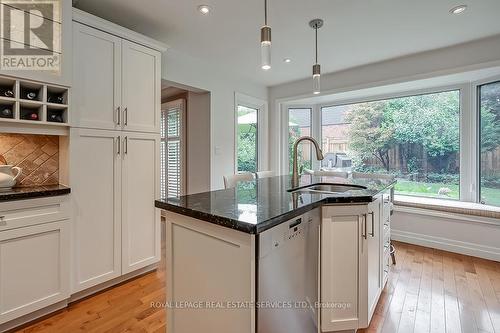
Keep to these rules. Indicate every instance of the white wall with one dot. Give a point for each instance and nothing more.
(470, 235)
(198, 143)
(222, 84)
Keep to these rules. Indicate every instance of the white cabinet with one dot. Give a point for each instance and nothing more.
(351, 265)
(96, 186)
(141, 88)
(116, 82)
(385, 225)
(34, 258)
(342, 241)
(115, 182)
(114, 150)
(97, 77)
(371, 264)
(140, 188)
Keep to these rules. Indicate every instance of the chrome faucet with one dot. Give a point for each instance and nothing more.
(319, 156)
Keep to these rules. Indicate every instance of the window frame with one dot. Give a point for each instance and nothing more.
(182, 103)
(314, 162)
(476, 110)
(467, 124)
(261, 106)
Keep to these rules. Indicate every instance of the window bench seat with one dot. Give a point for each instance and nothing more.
(448, 206)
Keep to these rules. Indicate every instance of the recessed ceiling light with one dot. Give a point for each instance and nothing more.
(204, 9)
(458, 9)
(287, 60)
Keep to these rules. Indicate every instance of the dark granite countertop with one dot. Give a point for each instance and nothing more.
(22, 193)
(258, 205)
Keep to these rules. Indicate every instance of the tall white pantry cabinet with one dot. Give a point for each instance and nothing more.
(114, 148)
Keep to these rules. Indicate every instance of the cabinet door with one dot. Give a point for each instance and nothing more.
(140, 187)
(342, 240)
(96, 79)
(34, 268)
(374, 255)
(96, 188)
(141, 70)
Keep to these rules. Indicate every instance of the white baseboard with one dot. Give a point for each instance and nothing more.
(11, 325)
(470, 249)
(30, 317)
(106, 285)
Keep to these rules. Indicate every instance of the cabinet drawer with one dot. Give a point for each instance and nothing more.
(387, 229)
(387, 247)
(34, 268)
(387, 261)
(17, 214)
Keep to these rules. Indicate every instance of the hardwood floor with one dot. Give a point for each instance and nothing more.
(428, 291)
(124, 308)
(436, 291)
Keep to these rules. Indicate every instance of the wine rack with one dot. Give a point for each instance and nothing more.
(26, 101)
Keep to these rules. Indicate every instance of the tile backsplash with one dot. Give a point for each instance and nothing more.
(37, 155)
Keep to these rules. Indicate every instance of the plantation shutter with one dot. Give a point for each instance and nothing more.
(171, 149)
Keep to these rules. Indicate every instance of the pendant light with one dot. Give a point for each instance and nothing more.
(316, 70)
(265, 42)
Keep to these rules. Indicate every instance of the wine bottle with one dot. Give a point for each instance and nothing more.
(6, 112)
(53, 98)
(7, 92)
(54, 117)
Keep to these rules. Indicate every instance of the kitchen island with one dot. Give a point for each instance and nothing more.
(262, 257)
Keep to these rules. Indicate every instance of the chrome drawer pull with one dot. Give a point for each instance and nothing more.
(373, 224)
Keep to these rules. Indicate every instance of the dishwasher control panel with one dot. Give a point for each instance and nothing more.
(295, 228)
(285, 233)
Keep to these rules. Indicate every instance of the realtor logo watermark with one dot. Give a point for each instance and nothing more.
(30, 35)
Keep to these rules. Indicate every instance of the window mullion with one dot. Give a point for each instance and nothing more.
(316, 133)
(468, 158)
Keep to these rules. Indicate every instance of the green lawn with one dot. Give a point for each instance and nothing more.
(406, 187)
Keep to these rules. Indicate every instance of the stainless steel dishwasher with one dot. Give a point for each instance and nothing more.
(287, 269)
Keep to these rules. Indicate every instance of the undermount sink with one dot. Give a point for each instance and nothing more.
(328, 188)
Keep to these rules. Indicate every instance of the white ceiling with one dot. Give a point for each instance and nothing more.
(356, 32)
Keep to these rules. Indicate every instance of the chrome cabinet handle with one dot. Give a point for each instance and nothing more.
(118, 112)
(125, 145)
(373, 224)
(118, 146)
(125, 116)
(365, 219)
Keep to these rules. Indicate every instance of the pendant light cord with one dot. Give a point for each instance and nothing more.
(265, 12)
(316, 33)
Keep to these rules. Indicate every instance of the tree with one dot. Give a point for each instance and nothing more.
(369, 135)
(490, 117)
(247, 147)
(293, 136)
(422, 125)
(430, 122)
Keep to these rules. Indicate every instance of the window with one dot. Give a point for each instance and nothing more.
(171, 176)
(489, 134)
(415, 138)
(299, 124)
(334, 136)
(247, 139)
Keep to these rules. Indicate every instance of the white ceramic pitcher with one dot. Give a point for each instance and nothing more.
(7, 178)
